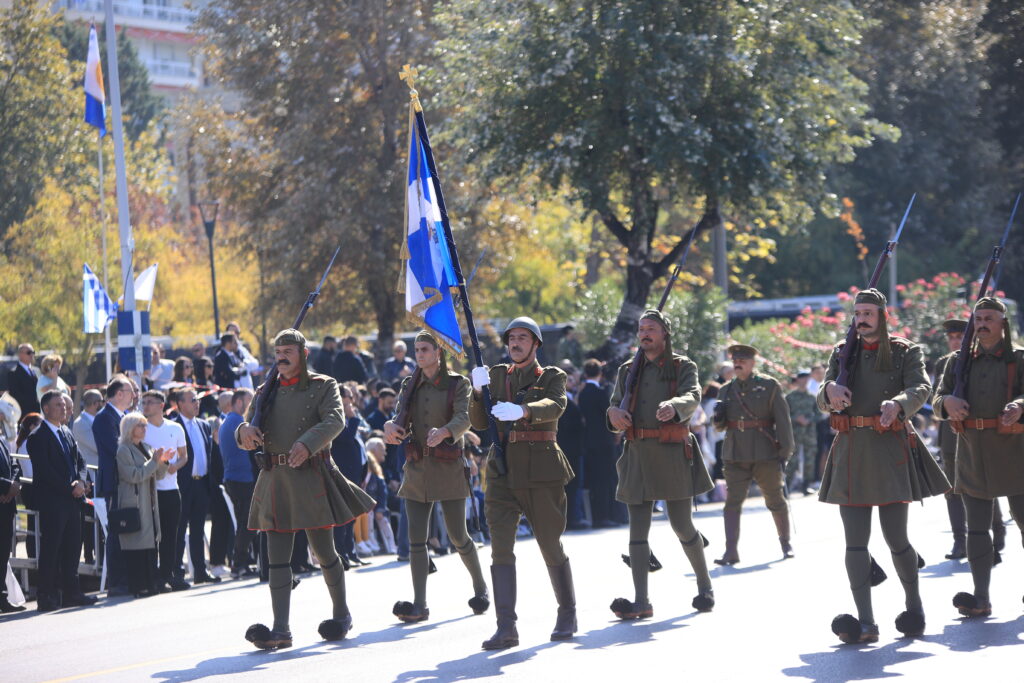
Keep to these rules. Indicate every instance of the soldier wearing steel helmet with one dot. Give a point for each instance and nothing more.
(528, 400)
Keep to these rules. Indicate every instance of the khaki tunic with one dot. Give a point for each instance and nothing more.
(866, 467)
(988, 464)
(531, 464)
(648, 469)
(316, 495)
(432, 479)
(764, 398)
(946, 437)
(137, 472)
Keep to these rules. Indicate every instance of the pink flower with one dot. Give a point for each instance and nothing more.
(901, 288)
(843, 296)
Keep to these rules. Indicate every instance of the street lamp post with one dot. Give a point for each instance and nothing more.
(208, 211)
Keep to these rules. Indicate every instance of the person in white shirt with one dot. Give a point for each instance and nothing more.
(248, 360)
(168, 435)
(161, 370)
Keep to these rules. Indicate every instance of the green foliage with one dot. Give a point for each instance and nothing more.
(697, 316)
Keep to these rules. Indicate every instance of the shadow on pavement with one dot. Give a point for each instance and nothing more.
(628, 632)
(255, 660)
(855, 662)
(394, 633)
(482, 664)
(945, 568)
(729, 570)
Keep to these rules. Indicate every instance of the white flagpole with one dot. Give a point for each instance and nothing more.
(123, 218)
(103, 230)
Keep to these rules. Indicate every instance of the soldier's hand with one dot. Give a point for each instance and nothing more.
(1011, 414)
(620, 419)
(436, 436)
(665, 412)
(481, 377)
(839, 398)
(250, 437)
(77, 489)
(298, 454)
(393, 434)
(890, 411)
(956, 408)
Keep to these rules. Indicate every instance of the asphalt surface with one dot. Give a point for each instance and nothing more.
(771, 622)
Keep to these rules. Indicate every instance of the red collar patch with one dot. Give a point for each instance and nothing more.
(289, 382)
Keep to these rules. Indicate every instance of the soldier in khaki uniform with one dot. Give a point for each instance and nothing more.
(947, 452)
(299, 486)
(877, 460)
(661, 460)
(990, 439)
(432, 414)
(528, 400)
(803, 414)
(753, 413)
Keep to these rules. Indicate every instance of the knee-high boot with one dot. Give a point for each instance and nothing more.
(732, 537)
(503, 581)
(781, 518)
(565, 594)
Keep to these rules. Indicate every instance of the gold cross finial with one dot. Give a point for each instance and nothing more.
(407, 74)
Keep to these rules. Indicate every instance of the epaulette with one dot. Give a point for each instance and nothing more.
(317, 377)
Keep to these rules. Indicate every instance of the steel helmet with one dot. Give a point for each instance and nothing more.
(525, 323)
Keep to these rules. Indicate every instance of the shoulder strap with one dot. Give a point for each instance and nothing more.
(636, 386)
(452, 384)
(405, 417)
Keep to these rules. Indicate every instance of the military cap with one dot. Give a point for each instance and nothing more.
(525, 323)
(803, 372)
(870, 296)
(739, 351)
(425, 336)
(990, 303)
(655, 314)
(954, 325)
(290, 336)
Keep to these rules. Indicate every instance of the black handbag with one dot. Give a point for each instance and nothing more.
(125, 520)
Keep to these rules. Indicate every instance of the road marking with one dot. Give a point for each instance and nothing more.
(129, 667)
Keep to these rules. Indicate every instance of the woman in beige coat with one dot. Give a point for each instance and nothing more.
(138, 468)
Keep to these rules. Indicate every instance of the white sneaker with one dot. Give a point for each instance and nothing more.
(220, 570)
(362, 549)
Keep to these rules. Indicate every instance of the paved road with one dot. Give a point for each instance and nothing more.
(771, 622)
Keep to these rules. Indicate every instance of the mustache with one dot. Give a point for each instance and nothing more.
(863, 326)
(984, 329)
(646, 339)
(284, 361)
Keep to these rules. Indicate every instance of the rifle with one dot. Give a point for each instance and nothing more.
(633, 375)
(847, 354)
(962, 361)
(268, 390)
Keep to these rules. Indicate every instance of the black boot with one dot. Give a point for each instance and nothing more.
(565, 594)
(781, 518)
(732, 537)
(959, 550)
(503, 580)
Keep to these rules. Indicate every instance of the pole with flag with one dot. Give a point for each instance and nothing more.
(432, 267)
(96, 115)
(131, 324)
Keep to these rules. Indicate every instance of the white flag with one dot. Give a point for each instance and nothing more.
(145, 283)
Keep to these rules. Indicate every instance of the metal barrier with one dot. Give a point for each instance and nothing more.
(23, 565)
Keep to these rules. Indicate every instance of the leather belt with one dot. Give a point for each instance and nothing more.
(844, 423)
(643, 433)
(198, 476)
(517, 436)
(742, 424)
(281, 459)
(977, 423)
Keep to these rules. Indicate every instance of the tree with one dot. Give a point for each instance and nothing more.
(642, 107)
(36, 128)
(322, 128)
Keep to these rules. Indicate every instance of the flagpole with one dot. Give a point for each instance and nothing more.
(467, 311)
(103, 231)
(121, 175)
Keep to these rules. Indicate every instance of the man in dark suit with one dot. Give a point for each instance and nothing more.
(324, 360)
(228, 366)
(106, 430)
(348, 365)
(194, 481)
(22, 379)
(571, 428)
(598, 445)
(10, 485)
(59, 487)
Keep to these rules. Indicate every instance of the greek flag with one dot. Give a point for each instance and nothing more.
(429, 275)
(132, 332)
(97, 308)
(95, 97)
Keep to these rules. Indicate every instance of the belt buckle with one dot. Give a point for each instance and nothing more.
(979, 423)
(281, 459)
(857, 420)
(196, 476)
(512, 436)
(739, 424)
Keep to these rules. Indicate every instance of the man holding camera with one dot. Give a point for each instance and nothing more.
(528, 400)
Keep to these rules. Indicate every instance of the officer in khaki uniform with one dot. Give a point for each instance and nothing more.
(803, 414)
(661, 460)
(299, 486)
(877, 460)
(528, 400)
(431, 416)
(753, 413)
(990, 439)
(947, 453)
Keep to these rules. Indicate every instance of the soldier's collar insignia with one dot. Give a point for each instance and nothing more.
(289, 382)
(869, 347)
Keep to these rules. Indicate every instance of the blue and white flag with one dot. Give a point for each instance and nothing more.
(95, 97)
(97, 308)
(429, 274)
(132, 332)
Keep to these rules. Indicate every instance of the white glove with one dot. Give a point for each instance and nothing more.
(507, 412)
(481, 377)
